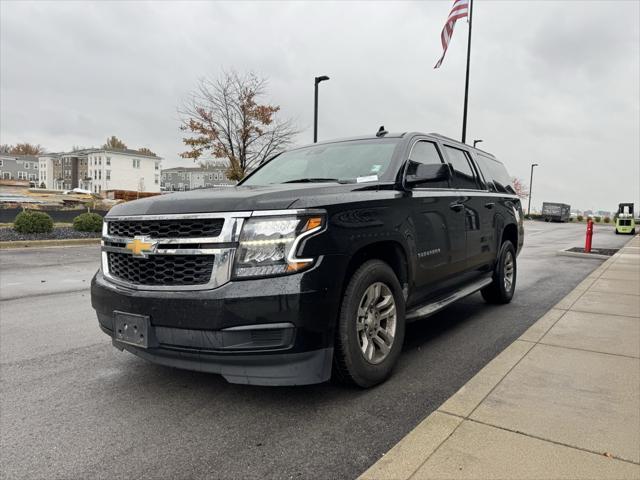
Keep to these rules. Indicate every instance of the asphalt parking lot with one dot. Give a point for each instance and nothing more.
(72, 406)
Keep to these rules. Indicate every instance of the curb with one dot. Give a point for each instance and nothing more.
(594, 256)
(49, 243)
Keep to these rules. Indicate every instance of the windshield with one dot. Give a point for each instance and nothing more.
(353, 161)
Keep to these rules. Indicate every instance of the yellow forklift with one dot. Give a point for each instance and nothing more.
(625, 223)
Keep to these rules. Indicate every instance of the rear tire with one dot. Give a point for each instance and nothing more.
(503, 286)
(371, 326)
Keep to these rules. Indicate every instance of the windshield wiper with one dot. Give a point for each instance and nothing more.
(313, 180)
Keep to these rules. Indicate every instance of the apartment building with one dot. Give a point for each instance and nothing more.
(19, 167)
(193, 178)
(100, 169)
(70, 171)
(45, 171)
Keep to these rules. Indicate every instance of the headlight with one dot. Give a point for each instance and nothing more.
(268, 245)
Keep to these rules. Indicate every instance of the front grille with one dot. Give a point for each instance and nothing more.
(179, 228)
(161, 270)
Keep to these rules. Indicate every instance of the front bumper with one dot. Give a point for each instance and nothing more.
(192, 328)
(304, 368)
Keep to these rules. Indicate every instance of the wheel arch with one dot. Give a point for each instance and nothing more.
(390, 252)
(510, 232)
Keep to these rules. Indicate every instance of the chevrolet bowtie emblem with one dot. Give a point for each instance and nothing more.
(141, 246)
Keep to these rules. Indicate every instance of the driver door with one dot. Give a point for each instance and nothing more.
(439, 224)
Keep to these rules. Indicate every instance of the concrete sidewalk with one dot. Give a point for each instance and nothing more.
(562, 401)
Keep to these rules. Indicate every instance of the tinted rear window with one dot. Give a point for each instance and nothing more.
(494, 173)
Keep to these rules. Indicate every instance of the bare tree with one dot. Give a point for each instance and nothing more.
(4, 148)
(520, 187)
(225, 120)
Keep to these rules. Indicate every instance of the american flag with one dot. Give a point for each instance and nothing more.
(459, 10)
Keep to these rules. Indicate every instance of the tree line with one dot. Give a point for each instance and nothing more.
(112, 143)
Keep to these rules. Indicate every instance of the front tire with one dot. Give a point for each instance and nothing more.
(503, 286)
(371, 326)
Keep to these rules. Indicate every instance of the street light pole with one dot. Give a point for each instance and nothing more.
(531, 188)
(315, 107)
(475, 142)
(466, 84)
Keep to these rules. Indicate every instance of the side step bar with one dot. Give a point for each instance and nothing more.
(437, 305)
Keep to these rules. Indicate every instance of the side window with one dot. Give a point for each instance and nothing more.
(485, 168)
(463, 174)
(425, 153)
(497, 173)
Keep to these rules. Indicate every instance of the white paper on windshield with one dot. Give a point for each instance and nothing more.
(368, 178)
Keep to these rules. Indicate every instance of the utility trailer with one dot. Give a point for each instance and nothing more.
(556, 212)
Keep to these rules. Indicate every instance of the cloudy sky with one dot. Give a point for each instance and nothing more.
(552, 82)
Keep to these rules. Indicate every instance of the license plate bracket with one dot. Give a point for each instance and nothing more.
(131, 329)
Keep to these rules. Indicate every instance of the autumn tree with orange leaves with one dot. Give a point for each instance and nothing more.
(147, 151)
(22, 149)
(225, 119)
(520, 187)
(114, 143)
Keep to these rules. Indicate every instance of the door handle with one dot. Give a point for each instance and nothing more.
(489, 205)
(456, 207)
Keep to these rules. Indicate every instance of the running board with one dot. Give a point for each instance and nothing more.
(436, 306)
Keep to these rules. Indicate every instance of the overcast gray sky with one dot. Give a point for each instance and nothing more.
(552, 82)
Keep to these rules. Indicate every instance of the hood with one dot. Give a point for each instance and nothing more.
(240, 198)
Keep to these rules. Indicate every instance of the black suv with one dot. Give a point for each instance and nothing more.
(313, 264)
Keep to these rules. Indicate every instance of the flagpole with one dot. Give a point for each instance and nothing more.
(466, 84)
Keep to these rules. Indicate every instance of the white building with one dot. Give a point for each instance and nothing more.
(45, 171)
(122, 170)
(99, 169)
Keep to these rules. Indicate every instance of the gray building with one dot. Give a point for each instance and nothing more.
(70, 171)
(192, 178)
(19, 167)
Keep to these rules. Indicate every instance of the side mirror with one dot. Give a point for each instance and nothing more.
(425, 173)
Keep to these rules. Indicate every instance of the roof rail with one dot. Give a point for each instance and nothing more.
(446, 138)
(466, 145)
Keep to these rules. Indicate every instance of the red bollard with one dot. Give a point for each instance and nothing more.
(587, 243)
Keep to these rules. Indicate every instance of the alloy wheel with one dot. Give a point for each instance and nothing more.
(376, 322)
(509, 270)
